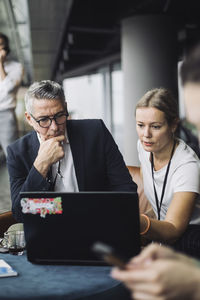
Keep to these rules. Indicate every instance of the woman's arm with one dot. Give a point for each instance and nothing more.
(150, 213)
(176, 221)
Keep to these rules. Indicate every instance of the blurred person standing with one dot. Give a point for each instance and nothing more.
(11, 74)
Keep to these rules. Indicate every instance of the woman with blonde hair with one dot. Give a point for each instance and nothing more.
(171, 173)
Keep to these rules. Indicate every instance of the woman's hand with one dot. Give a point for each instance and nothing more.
(176, 220)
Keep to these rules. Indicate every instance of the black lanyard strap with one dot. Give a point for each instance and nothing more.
(58, 173)
(164, 183)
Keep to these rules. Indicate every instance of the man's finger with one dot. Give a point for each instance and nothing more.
(60, 138)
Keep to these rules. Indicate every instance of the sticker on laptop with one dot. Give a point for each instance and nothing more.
(42, 206)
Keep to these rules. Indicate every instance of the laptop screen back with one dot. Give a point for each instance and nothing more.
(86, 217)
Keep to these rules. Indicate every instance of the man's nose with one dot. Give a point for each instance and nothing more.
(53, 124)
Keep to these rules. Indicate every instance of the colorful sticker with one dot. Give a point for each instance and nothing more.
(42, 206)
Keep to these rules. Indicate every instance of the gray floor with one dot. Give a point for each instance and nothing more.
(5, 201)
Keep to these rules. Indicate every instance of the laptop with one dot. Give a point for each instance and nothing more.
(60, 228)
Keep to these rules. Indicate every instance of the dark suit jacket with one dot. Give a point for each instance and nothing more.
(99, 165)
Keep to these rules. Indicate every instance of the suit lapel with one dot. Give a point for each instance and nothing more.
(34, 146)
(77, 149)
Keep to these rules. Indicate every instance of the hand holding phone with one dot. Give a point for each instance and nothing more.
(107, 253)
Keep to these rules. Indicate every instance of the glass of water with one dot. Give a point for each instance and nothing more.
(15, 242)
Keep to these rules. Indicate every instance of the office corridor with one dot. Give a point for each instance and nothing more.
(5, 201)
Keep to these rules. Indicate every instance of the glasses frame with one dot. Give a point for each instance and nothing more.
(51, 119)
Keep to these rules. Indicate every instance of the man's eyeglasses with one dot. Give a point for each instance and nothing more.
(45, 122)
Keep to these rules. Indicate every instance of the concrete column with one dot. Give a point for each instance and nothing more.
(149, 60)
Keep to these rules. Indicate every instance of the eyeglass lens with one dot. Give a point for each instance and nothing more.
(46, 122)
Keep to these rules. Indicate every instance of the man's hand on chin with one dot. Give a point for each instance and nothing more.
(50, 151)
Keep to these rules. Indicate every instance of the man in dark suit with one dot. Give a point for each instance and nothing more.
(60, 154)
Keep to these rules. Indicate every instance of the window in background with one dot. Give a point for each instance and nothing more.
(84, 96)
(100, 96)
(117, 106)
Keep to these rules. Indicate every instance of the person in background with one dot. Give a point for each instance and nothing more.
(167, 164)
(11, 74)
(60, 154)
(159, 272)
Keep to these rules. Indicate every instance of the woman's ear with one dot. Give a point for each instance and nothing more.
(175, 125)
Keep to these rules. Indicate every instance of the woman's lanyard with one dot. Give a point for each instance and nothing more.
(164, 183)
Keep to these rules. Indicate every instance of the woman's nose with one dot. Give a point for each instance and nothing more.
(147, 132)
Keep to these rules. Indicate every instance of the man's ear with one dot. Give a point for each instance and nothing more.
(65, 107)
(28, 119)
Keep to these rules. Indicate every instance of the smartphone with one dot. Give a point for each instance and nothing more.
(107, 253)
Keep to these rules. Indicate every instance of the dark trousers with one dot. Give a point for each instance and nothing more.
(189, 242)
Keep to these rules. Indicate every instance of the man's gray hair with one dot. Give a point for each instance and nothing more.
(45, 89)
